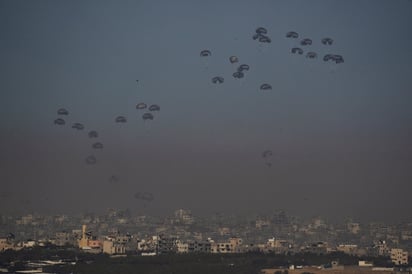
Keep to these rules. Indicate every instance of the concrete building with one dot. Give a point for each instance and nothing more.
(5, 244)
(111, 247)
(166, 245)
(184, 216)
(278, 246)
(399, 256)
(381, 248)
(348, 249)
(193, 247)
(87, 243)
(319, 248)
(233, 246)
(353, 228)
(62, 239)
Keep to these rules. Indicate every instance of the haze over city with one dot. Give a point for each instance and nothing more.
(340, 135)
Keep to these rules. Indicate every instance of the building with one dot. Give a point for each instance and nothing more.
(348, 249)
(278, 246)
(184, 216)
(166, 245)
(233, 246)
(87, 243)
(399, 256)
(5, 244)
(62, 239)
(381, 248)
(353, 228)
(319, 248)
(111, 247)
(193, 247)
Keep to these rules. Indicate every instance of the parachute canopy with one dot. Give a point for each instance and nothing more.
(93, 134)
(243, 67)
(78, 126)
(91, 160)
(292, 34)
(154, 108)
(141, 106)
(338, 59)
(296, 51)
(121, 119)
(62, 111)
(267, 153)
(238, 74)
(265, 87)
(334, 57)
(264, 39)
(261, 30)
(205, 53)
(306, 42)
(145, 196)
(113, 179)
(97, 145)
(233, 59)
(256, 36)
(328, 57)
(217, 80)
(147, 116)
(59, 121)
(311, 55)
(327, 41)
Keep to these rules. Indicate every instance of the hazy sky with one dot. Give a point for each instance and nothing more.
(341, 135)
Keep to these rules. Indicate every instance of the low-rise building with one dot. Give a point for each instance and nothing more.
(5, 244)
(111, 247)
(399, 256)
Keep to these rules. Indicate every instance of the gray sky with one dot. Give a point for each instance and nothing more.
(341, 135)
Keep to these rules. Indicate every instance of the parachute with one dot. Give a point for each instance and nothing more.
(205, 53)
(297, 50)
(59, 121)
(78, 126)
(93, 134)
(266, 155)
(338, 59)
(243, 67)
(306, 42)
(62, 111)
(311, 55)
(256, 36)
(233, 59)
(265, 87)
(261, 30)
(238, 74)
(154, 108)
(121, 119)
(91, 160)
(145, 196)
(327, 41)
(264, 39)
(328, 57)
(141, 106)
(113, 179)
(218, 80)
(97, 145)
(147, 116)
(292, 34)
(334, 57)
